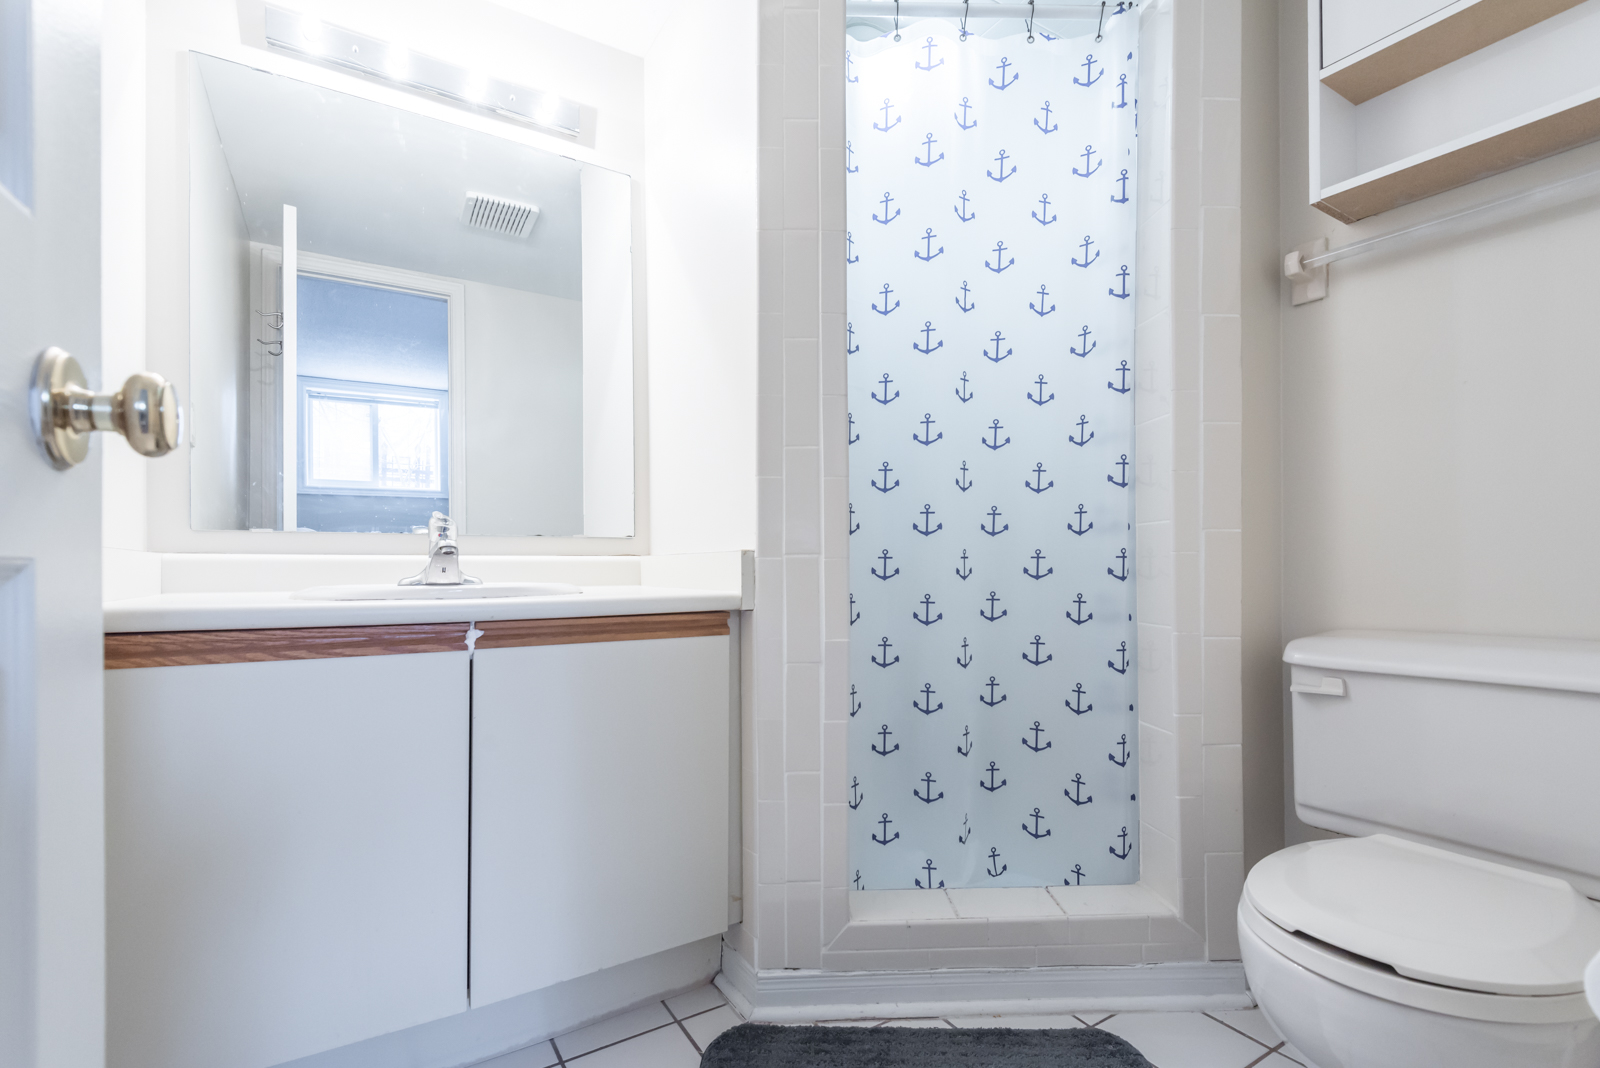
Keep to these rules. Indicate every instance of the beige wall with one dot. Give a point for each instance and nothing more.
(1438, 412)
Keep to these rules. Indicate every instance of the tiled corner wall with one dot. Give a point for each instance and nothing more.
(1188, 412)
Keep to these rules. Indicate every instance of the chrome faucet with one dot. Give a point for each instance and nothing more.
(444, 557)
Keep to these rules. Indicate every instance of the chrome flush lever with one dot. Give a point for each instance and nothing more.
(65, 411)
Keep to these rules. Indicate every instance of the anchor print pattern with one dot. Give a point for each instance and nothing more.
(991, 459)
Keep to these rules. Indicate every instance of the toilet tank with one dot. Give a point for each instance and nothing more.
(1486, 746)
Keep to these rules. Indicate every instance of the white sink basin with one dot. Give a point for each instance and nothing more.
(380, 592)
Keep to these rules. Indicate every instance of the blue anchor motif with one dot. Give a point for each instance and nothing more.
(928, 330)
(887, 218)
(856, 796)
(1120, 758)
(1088, 242)
(1038, 485)
(855, 705)
(849, 65)
(927, 707)
(887, 396)
(927, 515)
(1127, 847)
(850, 166)
(1076, 704)
(998, 355)
(1041, 400)
(928, 867)
(929, 798)
(990, 614)
(961, 119)
(961, 209)
(992, 770)
(1038, 559)
(1088, 158)
(1080, 529)
(1120, 576)
(886, 839)
(1075, 792)
(1080, 619)
(1122, 653)
(966, 748)
(1122, 92)
(1122, 468)
(854, 526)
(994, 516)
(1122, 278)
(927, 143)
(1083, 421)
(850, 248)
(1034, 744)
(1088, 66)
(963, 573)
(1122, 182)
(927, 426)
(1083, 339)
(1039, 308)
(851, 437)
(996, 444)
(858, 870)
(930, 46)
(1034, 830)
(887, 125)
(1045, 126)
(963, 393)
(1044, 209)
(1004, 174)
(963, 302)
(850, 346)
(1122, 369)
(928, 237)
(1036, 660)
(854, 615)
(885, 662)
(884, 732)
(885, 574)
(963, 480)
(1003, 83)
(965, 658)
(886, 309)
(1077, 871)
(994, 857)
(885, 487)
(999, 266)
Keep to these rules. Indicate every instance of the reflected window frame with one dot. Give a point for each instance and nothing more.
(375, 394)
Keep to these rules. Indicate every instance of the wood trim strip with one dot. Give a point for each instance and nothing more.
(515, 633)
(180, 648)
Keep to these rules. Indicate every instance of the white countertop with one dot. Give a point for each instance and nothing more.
(258, 611)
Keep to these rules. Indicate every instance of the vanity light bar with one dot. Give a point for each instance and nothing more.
(307, 36)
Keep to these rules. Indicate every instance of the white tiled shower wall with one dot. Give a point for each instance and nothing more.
(1188, 404)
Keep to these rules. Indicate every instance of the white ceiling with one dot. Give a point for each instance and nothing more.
(381, 185)
(628, 25)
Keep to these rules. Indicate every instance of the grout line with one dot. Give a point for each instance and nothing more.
(608, 1045)
(1235, 1030)
(664, 1004)
(560, 1060)
(1264, 1056)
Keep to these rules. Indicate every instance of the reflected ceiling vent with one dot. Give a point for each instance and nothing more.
(498, 215)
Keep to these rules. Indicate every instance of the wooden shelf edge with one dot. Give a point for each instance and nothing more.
(189, 648)
(516, 633)
(1548, 132)
(1433, 42)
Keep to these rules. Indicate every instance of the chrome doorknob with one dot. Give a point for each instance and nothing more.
(66, 411)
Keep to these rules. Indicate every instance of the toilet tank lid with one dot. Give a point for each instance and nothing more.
(1544, 663)
(1431, 914)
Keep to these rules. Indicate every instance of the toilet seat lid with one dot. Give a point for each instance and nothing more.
(1432, 915)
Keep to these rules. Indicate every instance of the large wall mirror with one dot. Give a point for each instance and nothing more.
(392, 315)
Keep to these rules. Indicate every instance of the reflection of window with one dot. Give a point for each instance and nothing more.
(362, 438)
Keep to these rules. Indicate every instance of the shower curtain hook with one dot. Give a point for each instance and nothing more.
(897, 20)
(1099, 30)
(1030, 20)
(966, 8)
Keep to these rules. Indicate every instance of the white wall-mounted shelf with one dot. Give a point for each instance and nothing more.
(1457, 93)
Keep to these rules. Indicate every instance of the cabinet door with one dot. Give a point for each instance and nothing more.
(599, 806)
(287, 855)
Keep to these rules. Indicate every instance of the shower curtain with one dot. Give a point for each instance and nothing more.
(993, 731)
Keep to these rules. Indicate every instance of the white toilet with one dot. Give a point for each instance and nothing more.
(1454, 931)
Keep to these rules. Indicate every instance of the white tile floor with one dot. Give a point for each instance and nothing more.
(674, 1032)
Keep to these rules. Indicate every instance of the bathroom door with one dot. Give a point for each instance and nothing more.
(52, 885)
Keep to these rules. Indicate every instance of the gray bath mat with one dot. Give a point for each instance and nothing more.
(769, 1046)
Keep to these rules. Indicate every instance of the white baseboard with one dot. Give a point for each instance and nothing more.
(795, 996)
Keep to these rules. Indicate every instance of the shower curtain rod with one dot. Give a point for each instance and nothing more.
(946, 10)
